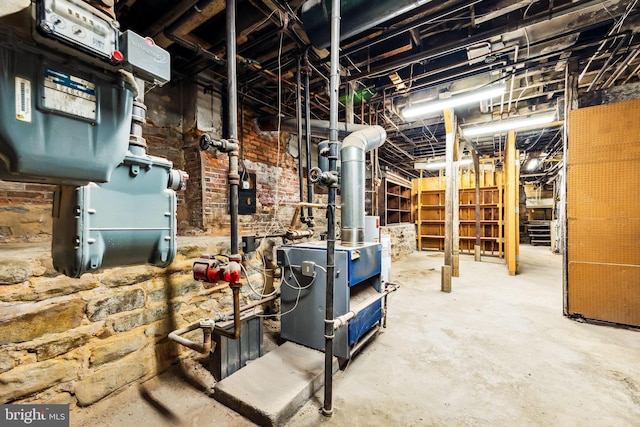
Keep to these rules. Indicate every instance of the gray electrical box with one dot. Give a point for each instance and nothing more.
(129, 220)
(148, 61)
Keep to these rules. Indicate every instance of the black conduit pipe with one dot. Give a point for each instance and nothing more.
(307, 121)
(299, 126)
(327, 409)
(232, 92)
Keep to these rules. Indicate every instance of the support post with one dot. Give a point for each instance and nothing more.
(445, 279)
(455, 207)
(451, 196)
(477, 248)
(512, 220)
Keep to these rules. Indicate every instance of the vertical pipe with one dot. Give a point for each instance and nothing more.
(327, 409)
(299, 126)
(307, 122)
(232, 93)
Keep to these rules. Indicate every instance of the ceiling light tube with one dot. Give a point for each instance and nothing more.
(454, 101)
(508, 125)
(440, 165)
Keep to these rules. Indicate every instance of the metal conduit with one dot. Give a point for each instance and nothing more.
(327, 408)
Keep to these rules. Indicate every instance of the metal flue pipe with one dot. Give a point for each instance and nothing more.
(358, 140)
(360, 15)
(352, 155)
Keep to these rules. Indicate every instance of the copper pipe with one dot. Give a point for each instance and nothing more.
(301, 205)
(236, 318)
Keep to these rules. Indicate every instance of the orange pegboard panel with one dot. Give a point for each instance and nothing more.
(603, 177)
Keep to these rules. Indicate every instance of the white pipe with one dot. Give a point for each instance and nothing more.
(341, 321)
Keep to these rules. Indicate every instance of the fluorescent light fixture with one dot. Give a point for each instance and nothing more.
(508, 125)
(439, 165)
(454, 101)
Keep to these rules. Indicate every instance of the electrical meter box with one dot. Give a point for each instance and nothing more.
(129, 220)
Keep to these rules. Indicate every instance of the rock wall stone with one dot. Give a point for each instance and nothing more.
(403, 239)
(75, 341)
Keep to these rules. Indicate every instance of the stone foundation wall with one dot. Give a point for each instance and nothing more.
(75, 341)
(403, 238)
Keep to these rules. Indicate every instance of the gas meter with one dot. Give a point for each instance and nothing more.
(66, 91)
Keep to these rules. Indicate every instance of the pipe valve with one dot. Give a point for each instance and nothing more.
(209, 269)
(316, 175)
(223, 145)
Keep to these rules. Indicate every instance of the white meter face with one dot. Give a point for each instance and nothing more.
(69, 94)
(76, 23)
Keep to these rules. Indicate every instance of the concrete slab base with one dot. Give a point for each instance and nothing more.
(271, 389)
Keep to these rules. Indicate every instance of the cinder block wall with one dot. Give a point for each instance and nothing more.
(76, 341)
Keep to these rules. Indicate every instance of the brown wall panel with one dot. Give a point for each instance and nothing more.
(599, 240)
(603, 211)
(613, 293)
(603, 190)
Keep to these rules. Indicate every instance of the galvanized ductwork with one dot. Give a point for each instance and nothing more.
(357, 16)
(352, 155)
(358, 139)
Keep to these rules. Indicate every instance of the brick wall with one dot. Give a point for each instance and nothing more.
(276, 188)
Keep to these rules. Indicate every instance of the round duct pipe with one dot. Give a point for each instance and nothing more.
(357, 16)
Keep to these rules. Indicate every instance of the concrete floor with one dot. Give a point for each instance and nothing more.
(496, 351)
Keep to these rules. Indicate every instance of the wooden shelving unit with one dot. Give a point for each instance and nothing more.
(394, 200)
(429, 211)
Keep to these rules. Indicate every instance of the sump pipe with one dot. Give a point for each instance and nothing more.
(208, 326)
(236, 318)
(299, 136)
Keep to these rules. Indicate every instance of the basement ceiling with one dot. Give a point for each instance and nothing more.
(434, 50)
